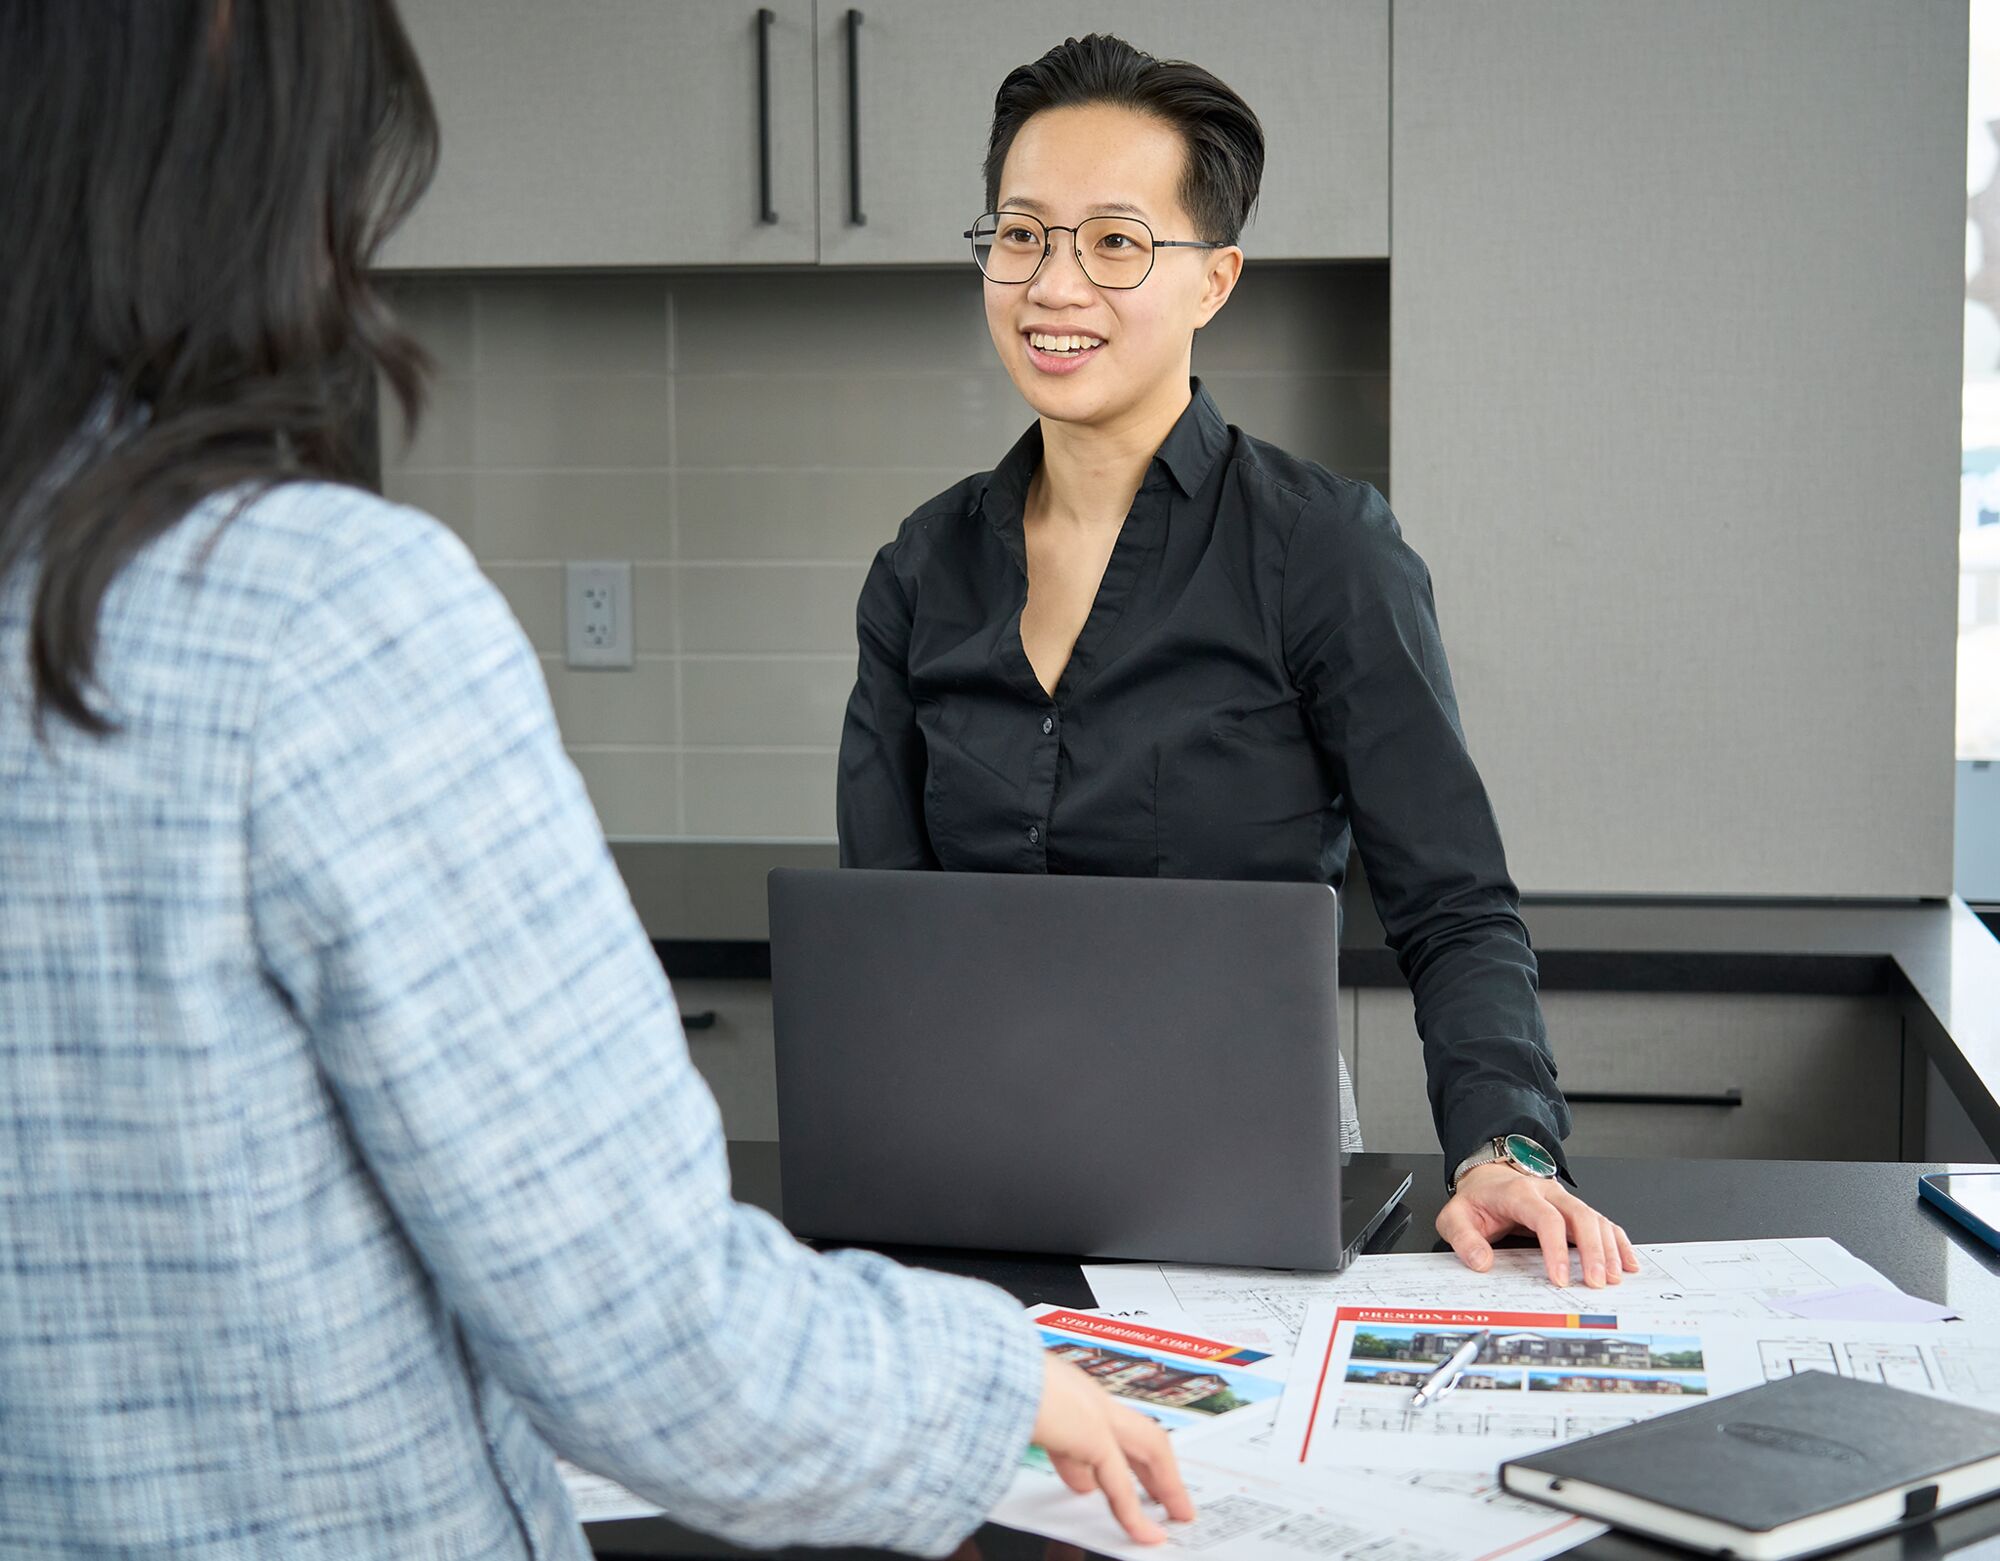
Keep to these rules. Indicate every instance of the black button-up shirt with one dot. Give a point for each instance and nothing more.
(1259, 682)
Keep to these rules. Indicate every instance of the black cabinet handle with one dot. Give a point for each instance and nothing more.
(704, 1020)
(1620, 1097)
(765, 17)
(855, 215)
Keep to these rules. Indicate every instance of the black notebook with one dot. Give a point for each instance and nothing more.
(1808, 1463)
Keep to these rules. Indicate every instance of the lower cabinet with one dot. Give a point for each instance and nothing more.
(1819, 1078)
(728, 1024)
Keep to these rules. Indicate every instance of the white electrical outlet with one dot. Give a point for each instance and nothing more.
(597, 614)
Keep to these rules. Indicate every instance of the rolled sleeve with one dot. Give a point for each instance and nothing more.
(433, 894)
(1362, 641)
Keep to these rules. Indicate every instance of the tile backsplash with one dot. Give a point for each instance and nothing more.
(748, 440)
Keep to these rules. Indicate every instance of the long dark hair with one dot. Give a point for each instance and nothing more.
(191, 193)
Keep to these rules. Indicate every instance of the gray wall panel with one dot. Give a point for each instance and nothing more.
(1675, 331)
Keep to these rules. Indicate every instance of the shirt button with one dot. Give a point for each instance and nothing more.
(1048, 724)
(1034, 834)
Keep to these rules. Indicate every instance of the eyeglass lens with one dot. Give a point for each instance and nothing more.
(1115, 251)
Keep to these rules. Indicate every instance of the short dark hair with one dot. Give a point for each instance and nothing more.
(194, 193)
(1225, 143)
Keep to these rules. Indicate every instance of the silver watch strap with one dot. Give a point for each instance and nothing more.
(1485, 1154)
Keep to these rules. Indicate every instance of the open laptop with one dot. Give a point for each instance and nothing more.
(1105, 1067)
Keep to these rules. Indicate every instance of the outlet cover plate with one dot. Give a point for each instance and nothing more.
(597, 614)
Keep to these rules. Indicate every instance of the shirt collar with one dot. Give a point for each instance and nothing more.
(1007, 486)
(1191, 447)
(1189, 453)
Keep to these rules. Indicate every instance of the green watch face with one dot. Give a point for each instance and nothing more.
(1529, 1155)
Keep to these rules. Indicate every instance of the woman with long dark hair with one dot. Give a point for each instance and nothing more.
(352, 1158)
(1148, 643)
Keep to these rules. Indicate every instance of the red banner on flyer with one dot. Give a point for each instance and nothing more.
(1460, 1317)
(1118, 1330)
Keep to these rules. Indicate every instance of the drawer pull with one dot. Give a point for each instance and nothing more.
(704, 1020)
(1640, 1097)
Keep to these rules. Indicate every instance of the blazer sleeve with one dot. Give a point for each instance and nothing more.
(879, 804)
(431, 891)
(1362, 643)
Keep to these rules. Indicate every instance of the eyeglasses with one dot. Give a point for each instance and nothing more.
(1114, 252)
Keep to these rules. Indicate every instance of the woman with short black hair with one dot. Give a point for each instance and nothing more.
(1149, 643)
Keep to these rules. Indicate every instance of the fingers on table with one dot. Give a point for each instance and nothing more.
(1614, 1265)
(1606, 1254)
(1077, 1473)
(1557, 1219)
(1586, 1233)
(1151, 1455)
(1628, 1259)
(1461, 1232)
(1551, 1229)
(1114, 1478)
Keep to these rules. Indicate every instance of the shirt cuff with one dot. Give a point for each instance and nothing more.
(1493, 1113)
(989, 1410)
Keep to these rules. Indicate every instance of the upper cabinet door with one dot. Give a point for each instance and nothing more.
(615, 133)
(906, 100)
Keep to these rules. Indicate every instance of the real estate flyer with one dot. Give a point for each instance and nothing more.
(1544, 1378)
(1185, 1380)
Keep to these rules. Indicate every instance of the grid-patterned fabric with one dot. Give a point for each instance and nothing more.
(351, 1155)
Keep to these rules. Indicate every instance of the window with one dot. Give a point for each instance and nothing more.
(1979, 479)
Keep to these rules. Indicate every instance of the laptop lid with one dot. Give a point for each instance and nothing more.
(1109, 1067)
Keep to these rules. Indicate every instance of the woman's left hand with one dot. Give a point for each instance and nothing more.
(1497, 1200)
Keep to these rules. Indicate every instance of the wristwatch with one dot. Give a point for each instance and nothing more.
(1517, 1149)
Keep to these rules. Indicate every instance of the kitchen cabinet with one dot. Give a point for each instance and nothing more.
(906, 101)
(734, 1053)
(615, 133)
(605, 133)
(1818, 1077)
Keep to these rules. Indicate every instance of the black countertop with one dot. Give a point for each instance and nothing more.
(1871, 1208)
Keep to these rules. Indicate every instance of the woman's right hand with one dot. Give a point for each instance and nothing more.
(1096, 1443)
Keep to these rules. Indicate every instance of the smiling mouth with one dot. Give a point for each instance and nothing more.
(1056, 345)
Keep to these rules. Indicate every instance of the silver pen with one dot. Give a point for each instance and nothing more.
(1447, 1375)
